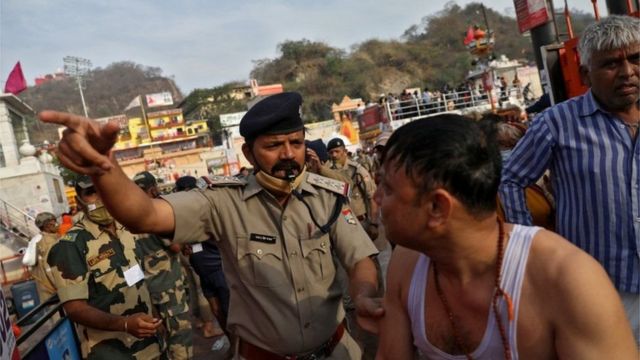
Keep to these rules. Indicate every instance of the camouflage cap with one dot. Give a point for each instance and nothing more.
(145, 180)
(43, 218)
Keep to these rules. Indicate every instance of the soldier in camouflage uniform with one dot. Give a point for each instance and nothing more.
(166, 282)
(101, 285)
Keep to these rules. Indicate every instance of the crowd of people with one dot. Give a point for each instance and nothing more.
(288, 254)
(415, 103)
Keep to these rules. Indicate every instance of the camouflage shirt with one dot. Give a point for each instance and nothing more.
(162, 268)
(89, 263)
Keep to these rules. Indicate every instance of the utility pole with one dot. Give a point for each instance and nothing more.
(77, 67)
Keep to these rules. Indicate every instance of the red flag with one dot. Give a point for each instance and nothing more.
(16, 82)
(469, 38)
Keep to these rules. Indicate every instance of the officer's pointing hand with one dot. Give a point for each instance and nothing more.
(368, 312)
(85, 144)
(142, 325)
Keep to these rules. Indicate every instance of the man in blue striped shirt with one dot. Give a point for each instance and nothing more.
(590, 145)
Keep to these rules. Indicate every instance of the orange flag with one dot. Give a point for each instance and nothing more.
(16, 82)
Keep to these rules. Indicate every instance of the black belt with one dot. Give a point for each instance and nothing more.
(252, 352)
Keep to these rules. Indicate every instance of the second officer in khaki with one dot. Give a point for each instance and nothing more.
(276, 230)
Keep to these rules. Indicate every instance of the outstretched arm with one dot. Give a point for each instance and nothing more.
(85, 148)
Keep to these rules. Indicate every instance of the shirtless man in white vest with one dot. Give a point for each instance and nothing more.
(446, 297)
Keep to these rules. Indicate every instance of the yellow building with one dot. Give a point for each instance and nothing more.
(164, 143)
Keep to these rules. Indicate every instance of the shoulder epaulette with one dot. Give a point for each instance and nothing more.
(218, 181)
(333, 185)
(71, 234)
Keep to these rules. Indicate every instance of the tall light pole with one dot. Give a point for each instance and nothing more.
(77, 67)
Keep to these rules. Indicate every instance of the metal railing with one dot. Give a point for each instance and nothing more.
(415, 108)
(17, 221)
(38, 325)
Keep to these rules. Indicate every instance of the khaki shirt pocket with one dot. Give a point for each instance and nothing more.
(317, 257)
(260, 264)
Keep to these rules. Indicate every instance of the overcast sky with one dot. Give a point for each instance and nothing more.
(200, 43)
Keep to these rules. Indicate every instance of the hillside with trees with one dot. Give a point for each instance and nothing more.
(106, 91)
(430, 54)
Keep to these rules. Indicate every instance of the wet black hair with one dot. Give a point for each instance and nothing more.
(451, 152)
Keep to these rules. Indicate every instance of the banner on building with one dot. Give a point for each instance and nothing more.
(531, 13)
(159, 99)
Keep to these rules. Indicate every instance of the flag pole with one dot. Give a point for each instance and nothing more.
(144, 117)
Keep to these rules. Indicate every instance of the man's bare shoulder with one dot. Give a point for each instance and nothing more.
(567, 293)
(400, 272)
(552, 255)
(557, 266)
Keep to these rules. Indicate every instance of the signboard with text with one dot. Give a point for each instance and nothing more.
(227, 120)
(8, 348)
(531, 13)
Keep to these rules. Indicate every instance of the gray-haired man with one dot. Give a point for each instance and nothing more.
(590, 145)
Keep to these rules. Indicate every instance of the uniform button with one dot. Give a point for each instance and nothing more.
(300, 289)
(259, 251)
(294, 253)
(306, 325)
(323, 245)
(284, 217)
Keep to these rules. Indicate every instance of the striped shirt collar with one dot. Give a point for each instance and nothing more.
(589, 105)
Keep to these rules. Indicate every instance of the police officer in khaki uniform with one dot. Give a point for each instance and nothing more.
(48, 225)
(362, 185)
(101, 284)
(166, 282)
(276, 232)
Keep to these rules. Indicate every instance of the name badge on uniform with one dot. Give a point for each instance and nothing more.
(267, 239)
(133, 275)
(196, 248)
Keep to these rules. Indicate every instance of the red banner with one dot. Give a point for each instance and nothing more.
(531, 13)
(369, 118)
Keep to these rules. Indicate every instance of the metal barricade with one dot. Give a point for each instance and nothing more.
(51, 336)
